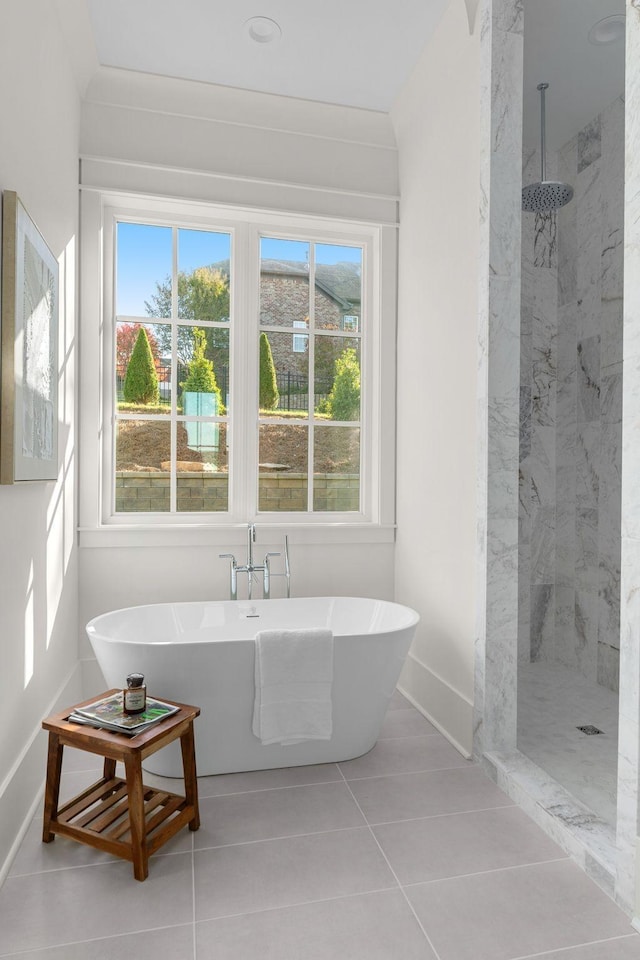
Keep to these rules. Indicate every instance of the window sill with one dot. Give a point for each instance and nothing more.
(194, 535)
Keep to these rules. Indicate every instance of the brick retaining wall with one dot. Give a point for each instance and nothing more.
(148, 492)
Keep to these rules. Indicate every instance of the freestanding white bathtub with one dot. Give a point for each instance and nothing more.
(203, 654)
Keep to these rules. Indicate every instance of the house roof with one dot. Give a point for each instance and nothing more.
(341, 281)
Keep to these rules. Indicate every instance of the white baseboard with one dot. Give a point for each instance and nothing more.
(446, 708)
(23, 787)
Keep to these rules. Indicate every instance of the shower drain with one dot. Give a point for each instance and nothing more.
(589, 729)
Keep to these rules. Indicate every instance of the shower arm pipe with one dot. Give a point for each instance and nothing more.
(543, 137)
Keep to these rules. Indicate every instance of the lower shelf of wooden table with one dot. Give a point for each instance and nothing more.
(99, 816)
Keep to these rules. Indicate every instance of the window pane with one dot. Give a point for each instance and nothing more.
(284, 282)
(336, 468)
(143, 453)
(284, 375)
(203, 371)
(202, 476)
(143, 270)
(172, 370)
(203, 275)
(282, 472)
(337, 378)
(143, 367)
(338, 291)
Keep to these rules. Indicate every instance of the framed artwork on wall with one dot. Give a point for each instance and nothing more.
(29, 349)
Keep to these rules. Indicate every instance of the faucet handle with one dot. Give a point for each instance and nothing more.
(233, 579)
(266, 575)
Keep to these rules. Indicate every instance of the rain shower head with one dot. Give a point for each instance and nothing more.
(546, 194)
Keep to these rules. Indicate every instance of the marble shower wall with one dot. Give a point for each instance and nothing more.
(571, 408)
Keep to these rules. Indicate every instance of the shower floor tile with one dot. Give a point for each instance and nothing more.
(410, 851)
(552, 702)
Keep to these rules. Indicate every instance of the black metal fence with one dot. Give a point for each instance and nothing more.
(294, 391)
(293, 388)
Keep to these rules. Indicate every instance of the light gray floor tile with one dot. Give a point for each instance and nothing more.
(172, 943)
(47, 909)
(409, 795)
(75, 782)
(227, 783)
(277, 873)
(74, 760)
(327, 893)
(399, 702)
(515, 912)
(404, 756)
(626, 948)
(172, 784)
(34, 856)
(463, 843)
(375, 926)
(407, 723)
(265, 814)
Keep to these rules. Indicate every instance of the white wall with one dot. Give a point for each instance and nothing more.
(436, 120)
(39, 120)
(197, 141)
(180, 140)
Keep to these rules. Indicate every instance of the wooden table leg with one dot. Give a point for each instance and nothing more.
(133, 767)
(187, 744)
(109, 770)
(52, 787)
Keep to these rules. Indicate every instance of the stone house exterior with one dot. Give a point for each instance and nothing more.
(284, 301)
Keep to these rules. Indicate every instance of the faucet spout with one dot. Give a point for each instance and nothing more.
(251, 539)
(251, 568)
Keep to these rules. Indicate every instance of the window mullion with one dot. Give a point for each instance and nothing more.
(311, 375)
(173, 489)
(245, 396)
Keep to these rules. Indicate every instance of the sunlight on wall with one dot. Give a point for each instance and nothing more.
(29, 631)
(55, 566)
(60, 511)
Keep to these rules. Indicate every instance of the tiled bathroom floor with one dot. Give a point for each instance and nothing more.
(407, 853)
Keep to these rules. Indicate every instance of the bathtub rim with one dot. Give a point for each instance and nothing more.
(91, 628)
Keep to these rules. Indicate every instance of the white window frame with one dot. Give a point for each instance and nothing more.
(245, 227)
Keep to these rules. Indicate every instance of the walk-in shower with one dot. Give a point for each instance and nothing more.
(570, 434)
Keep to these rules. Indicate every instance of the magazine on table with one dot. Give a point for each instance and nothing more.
(109, 713)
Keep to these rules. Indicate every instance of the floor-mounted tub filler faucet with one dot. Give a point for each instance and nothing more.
(250, 568)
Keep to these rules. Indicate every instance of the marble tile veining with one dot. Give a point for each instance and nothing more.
(589, 144)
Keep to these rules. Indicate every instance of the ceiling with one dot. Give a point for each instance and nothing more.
(357, 52)
(583, 77)
(352, 52)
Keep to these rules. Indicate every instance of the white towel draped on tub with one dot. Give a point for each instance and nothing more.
(294, 676)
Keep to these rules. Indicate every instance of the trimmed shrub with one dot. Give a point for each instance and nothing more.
(269, 394)
(141, 380)
(344, 399)
(201, 377)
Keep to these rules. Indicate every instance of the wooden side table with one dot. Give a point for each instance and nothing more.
(122, 817)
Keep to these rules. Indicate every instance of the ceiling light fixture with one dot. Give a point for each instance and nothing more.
(609, 30)
(263, 29)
